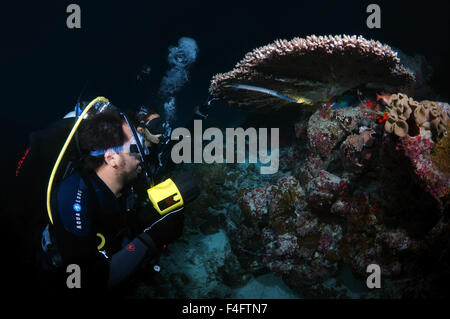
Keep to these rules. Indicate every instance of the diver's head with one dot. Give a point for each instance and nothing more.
(156, 126)
(145, 115)
(109, 147)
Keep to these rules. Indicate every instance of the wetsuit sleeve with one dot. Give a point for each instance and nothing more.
(127, 260)
(73, 232)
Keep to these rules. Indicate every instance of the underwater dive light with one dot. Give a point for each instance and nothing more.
(173, 193)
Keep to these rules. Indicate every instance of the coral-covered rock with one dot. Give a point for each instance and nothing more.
(418, 150)
(323, 134)
(310, 253)
(347, 193)
(256, 204)
(283, 198)
(360, 212)
(324, 189)
(356, 151)
(399, 241)
(441, 154)
(289, 157)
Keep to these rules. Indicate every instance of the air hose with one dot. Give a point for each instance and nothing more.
(63, 150)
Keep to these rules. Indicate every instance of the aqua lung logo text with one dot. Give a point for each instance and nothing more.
(77, 209)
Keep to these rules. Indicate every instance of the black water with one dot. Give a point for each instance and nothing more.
(44, 65)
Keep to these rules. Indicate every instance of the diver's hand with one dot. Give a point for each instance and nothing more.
(152, 138)
(167, 228)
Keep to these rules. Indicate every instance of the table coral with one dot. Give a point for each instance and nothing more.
(311, 70)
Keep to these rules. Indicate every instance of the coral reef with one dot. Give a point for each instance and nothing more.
(366, 182)
(310, 70)
(348, 195)
(283, 236)
(347, 217)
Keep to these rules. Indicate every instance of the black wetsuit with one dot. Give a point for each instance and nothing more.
(83, 213)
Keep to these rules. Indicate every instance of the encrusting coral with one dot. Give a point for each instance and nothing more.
(408, 117)
(441, 155)
(356, 150)
(422, 128)
(310, 71)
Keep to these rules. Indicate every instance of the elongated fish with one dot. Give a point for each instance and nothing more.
(262, 90)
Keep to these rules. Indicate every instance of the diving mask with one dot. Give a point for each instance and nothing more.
(130, 147)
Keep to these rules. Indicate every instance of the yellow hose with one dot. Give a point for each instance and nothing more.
(63, 150)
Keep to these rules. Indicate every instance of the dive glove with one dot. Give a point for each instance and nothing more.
(167, 228)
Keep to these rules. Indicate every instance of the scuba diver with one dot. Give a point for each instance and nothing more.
(155, 133)
(93, 218)
(142, 121)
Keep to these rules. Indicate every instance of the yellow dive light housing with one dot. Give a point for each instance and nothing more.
(173, 193)
(165, 197)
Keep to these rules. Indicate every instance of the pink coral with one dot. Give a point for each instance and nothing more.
(323, 134)
(322, 190)
(418, 150)
(356, 151)
(398, 241)
(257, 201)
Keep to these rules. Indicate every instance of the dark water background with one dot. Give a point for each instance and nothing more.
(45, 65)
